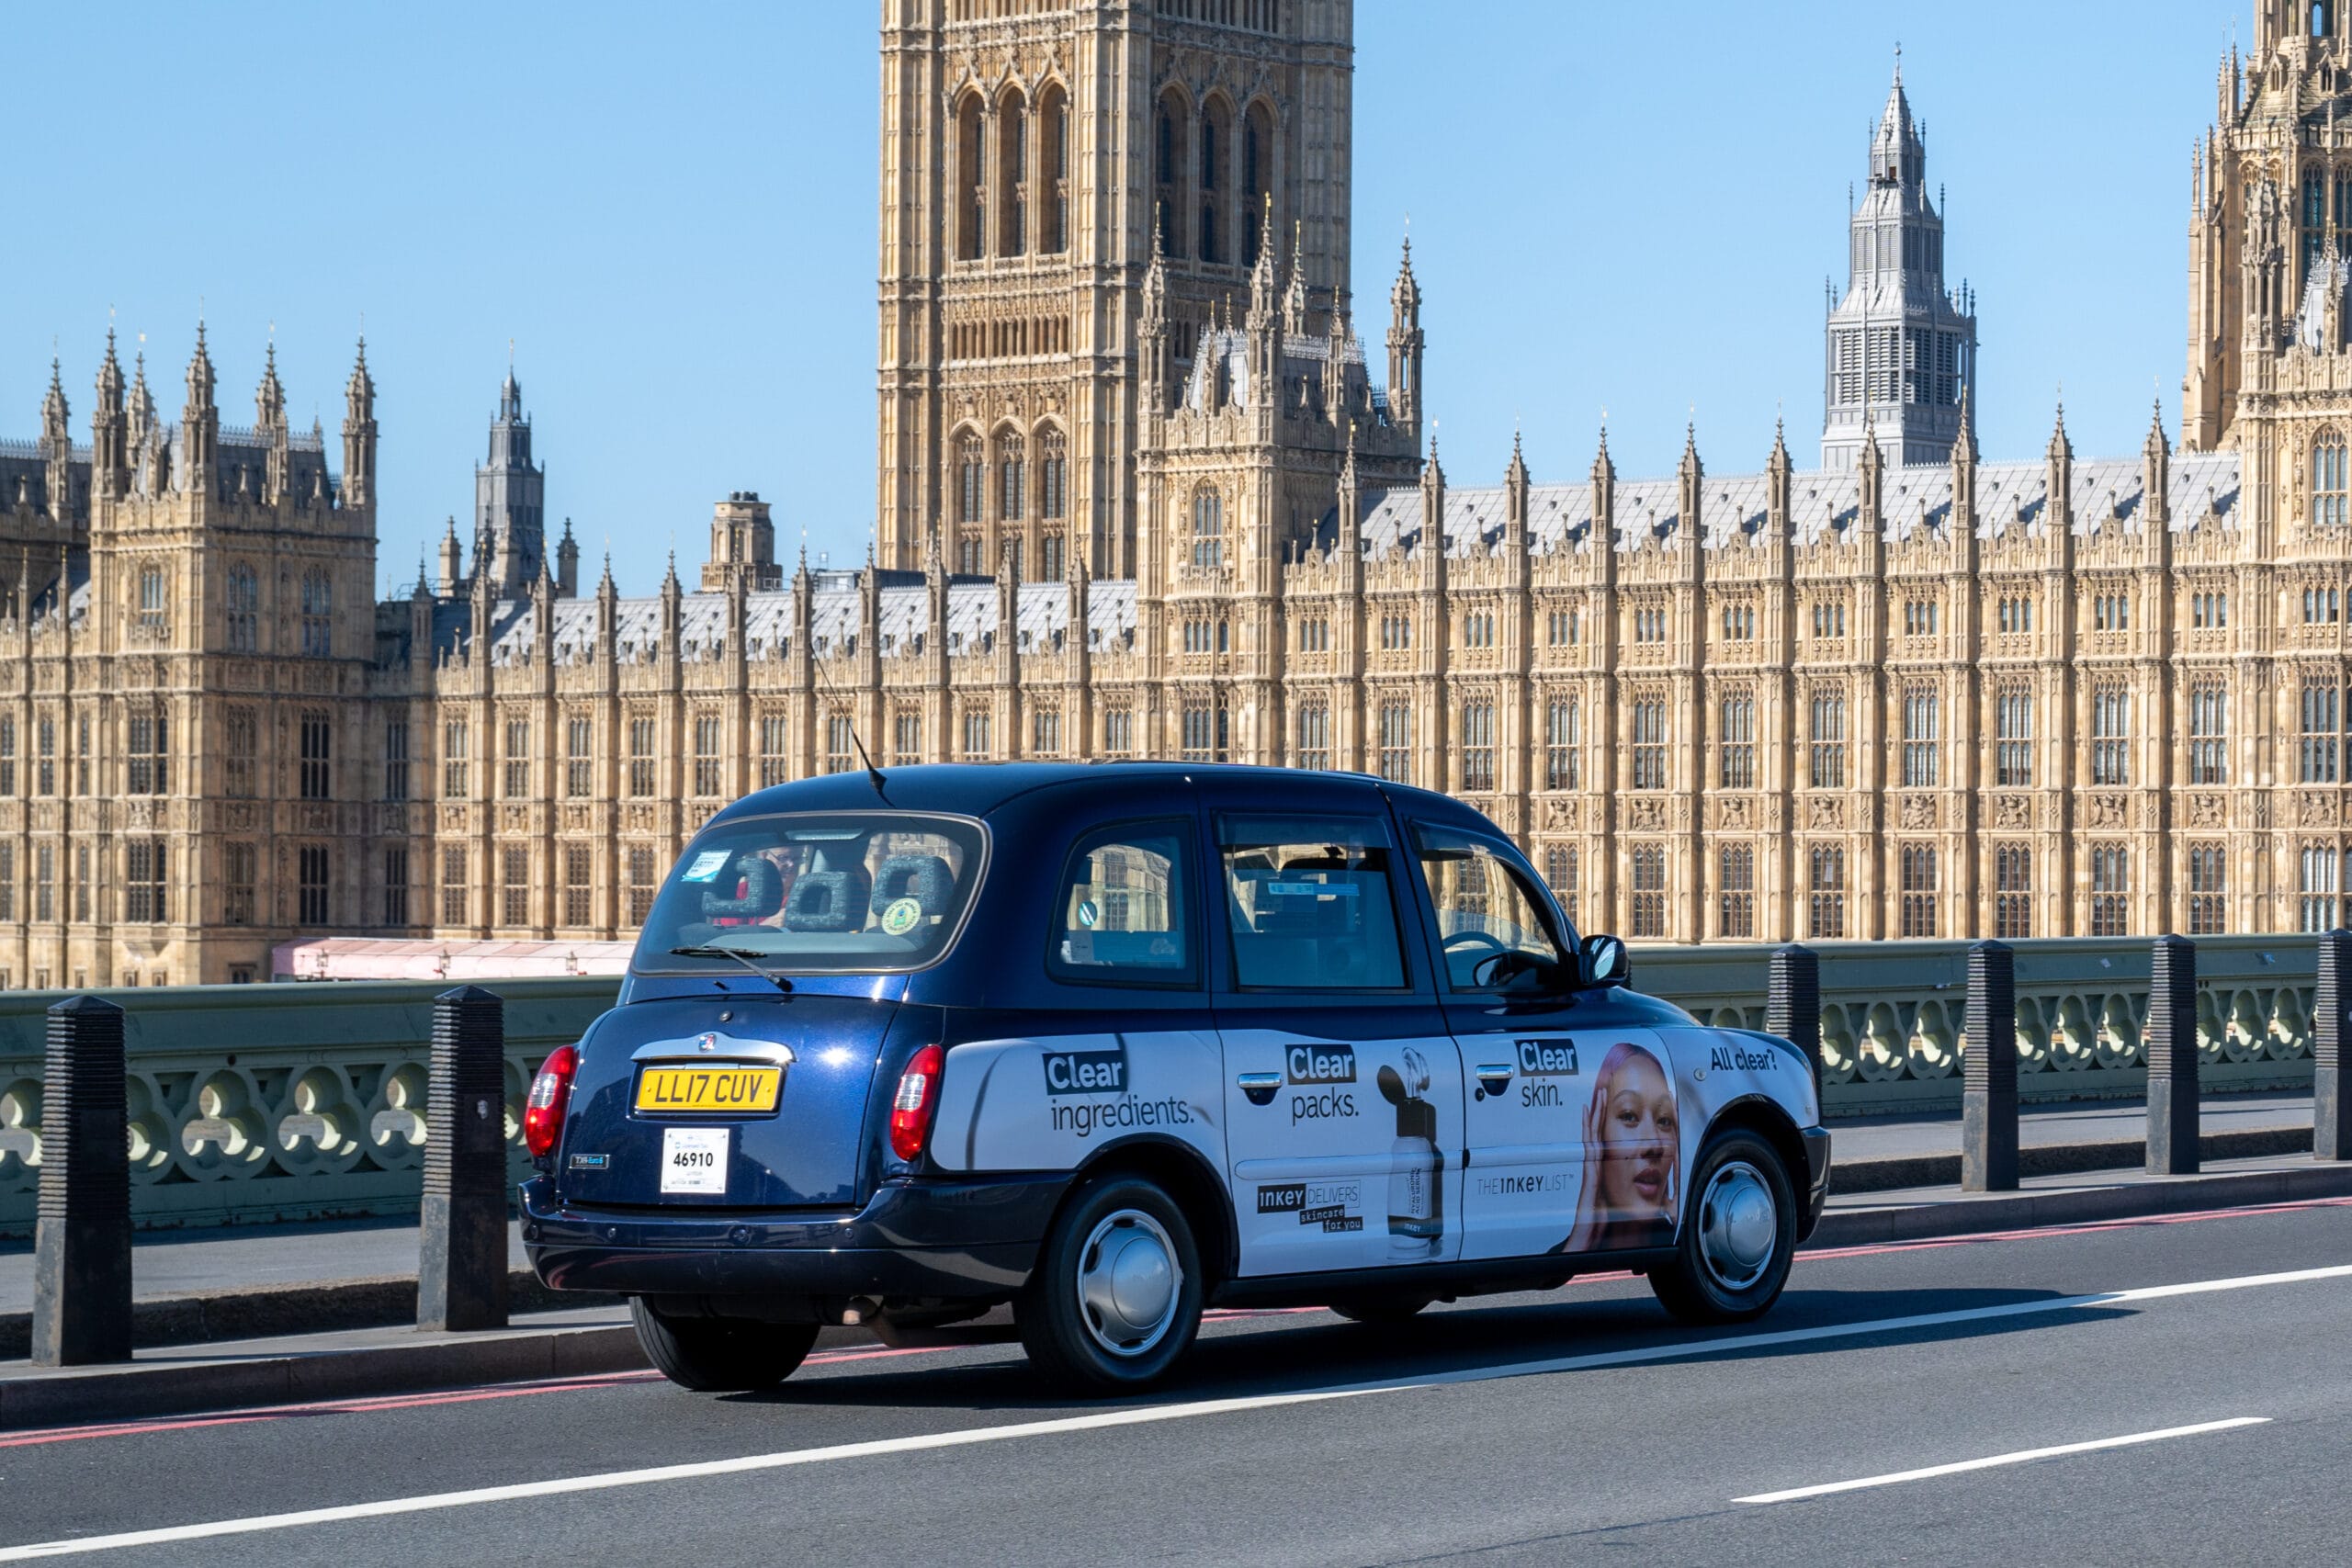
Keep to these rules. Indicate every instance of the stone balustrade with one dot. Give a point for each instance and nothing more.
(257, 1104)
(265, 1103)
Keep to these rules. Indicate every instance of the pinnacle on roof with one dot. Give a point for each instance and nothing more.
(361, 387)
(199, 371)
(1295, 292)
(1261, 273)
(1406, 294)
(2059, 444)
(1517, 473)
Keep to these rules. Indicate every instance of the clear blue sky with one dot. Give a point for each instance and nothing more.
(671, 211)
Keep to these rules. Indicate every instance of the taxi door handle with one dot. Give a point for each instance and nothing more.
(1494, 1077)
(1259, 1086)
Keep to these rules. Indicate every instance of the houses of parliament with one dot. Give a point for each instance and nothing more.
(1145, 489)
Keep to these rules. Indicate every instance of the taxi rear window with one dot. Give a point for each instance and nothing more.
(841, 891)
(1308, 902)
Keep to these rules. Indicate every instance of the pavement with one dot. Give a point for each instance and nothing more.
(2141, 1392)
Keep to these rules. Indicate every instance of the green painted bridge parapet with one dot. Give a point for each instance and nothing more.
(1892, 1014)
(260, 1104)
(256, 1104)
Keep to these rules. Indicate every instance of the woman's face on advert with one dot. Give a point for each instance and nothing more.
(1637, 1138)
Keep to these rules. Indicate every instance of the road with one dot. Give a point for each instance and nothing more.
(1525, 1429)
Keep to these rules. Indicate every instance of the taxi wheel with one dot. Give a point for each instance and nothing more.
(720, 1355)
(1116, 1297)
(1738, 1238)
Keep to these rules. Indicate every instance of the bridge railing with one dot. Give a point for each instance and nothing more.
(1892, 1014)
(257, 1104)
(265, 1104)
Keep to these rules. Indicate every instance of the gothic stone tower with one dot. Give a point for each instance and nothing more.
(509, 498)
(1031, 151)
(1254, 457)
(1900, 349)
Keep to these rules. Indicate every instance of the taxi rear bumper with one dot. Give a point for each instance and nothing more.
(933, 1240)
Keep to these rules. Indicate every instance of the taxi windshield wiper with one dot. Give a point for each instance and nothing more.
(743, 955)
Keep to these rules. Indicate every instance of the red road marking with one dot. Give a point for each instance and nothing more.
(1976, 1238)
(833, 1357)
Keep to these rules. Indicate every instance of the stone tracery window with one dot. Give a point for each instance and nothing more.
(1012, 465)
(2328, 487)
(1208, 528)
(971, 473)
(1053, 473)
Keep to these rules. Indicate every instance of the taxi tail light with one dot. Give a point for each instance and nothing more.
(550, 1097)
(916, 1101)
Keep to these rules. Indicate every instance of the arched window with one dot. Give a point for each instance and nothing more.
(1208, 528)
(1014, 469)
(1012, 162)
(2328, 488)
(971, 174)
(2322, 21)
(1053, 171)
(317, 615)
(971, 471)
(241, 600)
(1216, 139)
(1256, 176)
(1171, 166)
(1053, 474)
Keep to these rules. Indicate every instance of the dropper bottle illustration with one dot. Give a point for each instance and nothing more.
(1416, 1202)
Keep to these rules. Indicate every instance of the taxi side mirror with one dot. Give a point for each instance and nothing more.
(1603, 961)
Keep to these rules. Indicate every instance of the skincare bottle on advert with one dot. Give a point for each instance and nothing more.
(1416, 1184)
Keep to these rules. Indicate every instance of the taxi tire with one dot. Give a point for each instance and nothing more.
(1054, 1331)
(1687, 1288)
(720, 1355)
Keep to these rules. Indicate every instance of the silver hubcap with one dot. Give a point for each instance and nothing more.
(1129, 1282)
(1738, 1225)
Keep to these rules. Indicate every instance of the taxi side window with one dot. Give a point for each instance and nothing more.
(1308, 902)
(1491, 934)
(1124, 917)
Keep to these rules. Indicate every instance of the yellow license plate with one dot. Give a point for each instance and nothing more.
(714, 1088)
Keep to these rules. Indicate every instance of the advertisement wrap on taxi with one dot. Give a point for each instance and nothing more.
(1112, 1046)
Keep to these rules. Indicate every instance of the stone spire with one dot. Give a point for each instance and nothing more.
(452, 563)
(1405, 346)
(359, 433)
(1152, 333)
(269, 421)
(110, 434)
(1294, 293)
(2155, 455)
(2060, 476)
(1900, 346)
(201, 419)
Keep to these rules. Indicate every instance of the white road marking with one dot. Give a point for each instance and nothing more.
(2023, 1456)
(1139, 1416)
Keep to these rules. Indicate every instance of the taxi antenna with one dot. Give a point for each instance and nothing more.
(872, 773)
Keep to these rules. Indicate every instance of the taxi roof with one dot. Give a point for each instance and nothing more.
(978, 789)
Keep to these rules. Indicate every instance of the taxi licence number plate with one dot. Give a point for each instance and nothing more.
(736, 1090)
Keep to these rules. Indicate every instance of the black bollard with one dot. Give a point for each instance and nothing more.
(82, 1234)
(1988, 1099)
(2331, 1014)
(2172, 1057)
(461, 1276)
(1792, 1003)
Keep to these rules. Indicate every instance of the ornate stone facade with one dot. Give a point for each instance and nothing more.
(1880, 699)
